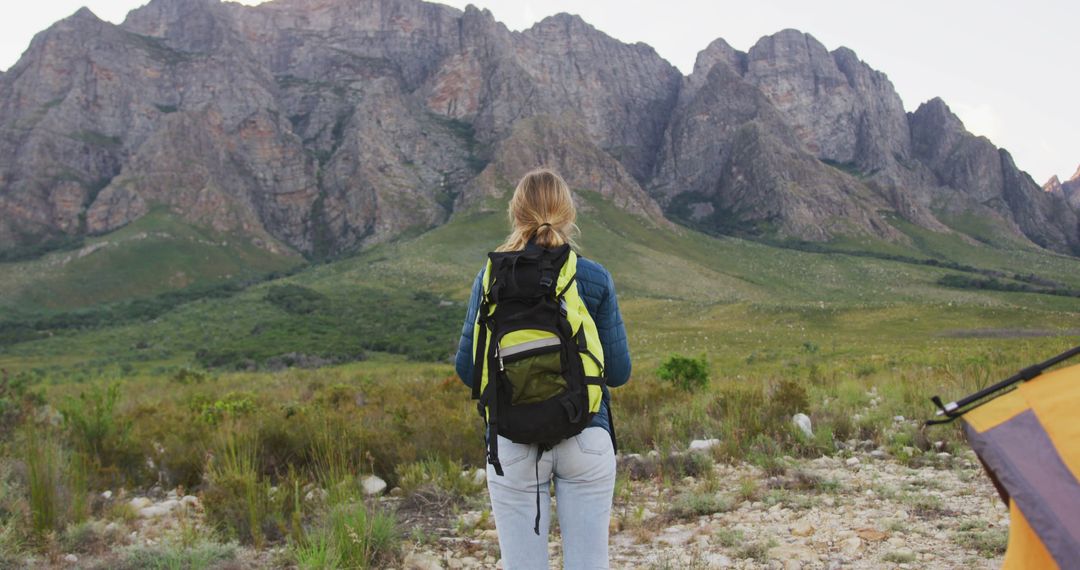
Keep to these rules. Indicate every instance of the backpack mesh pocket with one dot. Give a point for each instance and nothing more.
(536, 377)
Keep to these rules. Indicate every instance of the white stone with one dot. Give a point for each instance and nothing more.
(717, 560)
(852, 461)
(71, 558)
(190, 501)
(702, 445)
(878, 454)
(479, 476)
(141, 503)
(802, 528)
(470, 519)
(422, 561)
(106, 495)
(802, 421)
(158, 510)
(851, 546)
(373, 485)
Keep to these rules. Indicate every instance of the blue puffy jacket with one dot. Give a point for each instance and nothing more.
(597, 290)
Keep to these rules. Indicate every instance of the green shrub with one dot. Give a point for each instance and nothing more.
(687, 373)
(351, 536)
(362, 538)
(44, 471)
(315, 552)
(96, 428)
(442, 477)
(236, 499)
(787, 399)
(232, 404)
(296, 299)
(692, 504)
(188, 376)
(201, 555)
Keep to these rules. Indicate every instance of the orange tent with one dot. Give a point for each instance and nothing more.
(1029, 441)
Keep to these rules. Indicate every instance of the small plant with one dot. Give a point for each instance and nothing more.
(694, 504)
(728, 537)
(748, 489)
(976, 535)
(898, 557)
(96, 428)
(687, 373)
(203, 554)
(44, 465)
(188, 376)
(231, 404)
(315, 552)
(236, 498)
(362, 538)
(757, 551)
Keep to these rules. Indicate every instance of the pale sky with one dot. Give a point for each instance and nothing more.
(1006, 68)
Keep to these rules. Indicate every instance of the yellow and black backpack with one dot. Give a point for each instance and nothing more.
(538, 366)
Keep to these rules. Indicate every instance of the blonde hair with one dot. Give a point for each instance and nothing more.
(541, 206)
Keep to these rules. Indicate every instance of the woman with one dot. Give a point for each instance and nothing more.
(583, 467)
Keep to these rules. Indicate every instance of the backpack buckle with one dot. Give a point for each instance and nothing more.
(546, 281)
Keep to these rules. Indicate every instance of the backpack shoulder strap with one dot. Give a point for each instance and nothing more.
(482, 315)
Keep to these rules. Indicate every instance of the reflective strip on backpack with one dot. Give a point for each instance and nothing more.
(529, 345)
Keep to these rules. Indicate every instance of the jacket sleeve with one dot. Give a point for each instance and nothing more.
(613, 338)
(463, 362)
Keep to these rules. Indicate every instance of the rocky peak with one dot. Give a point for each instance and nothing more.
(565, 22)
(1053, 186)
(1076, 175)
(934, 127)
(842, 110)
(83, 14)
(193, 26)
(716, 52)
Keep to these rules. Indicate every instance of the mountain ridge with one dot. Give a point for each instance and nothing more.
(327, 126)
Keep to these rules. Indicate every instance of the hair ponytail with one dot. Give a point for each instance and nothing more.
(541, 208)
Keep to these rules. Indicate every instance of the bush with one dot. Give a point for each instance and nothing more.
(361, 538)
(441, 478)
(203, 554)
(236, 499)
(55, 484)
(687, 373)
(95, 428)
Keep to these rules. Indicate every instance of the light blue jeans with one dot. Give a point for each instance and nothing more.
(583, 468)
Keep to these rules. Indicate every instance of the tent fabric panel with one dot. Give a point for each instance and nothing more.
(1023, 458)
(993, 413)
(1025, 550)
(1055, 398)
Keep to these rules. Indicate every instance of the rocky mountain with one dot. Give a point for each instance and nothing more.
(1068, 190)
(321, 126)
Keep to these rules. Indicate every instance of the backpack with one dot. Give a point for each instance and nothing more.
(538, 366)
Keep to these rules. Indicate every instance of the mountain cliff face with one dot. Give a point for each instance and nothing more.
(327, 125)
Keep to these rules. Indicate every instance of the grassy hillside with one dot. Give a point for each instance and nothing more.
(155, 254)
(678, 288)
